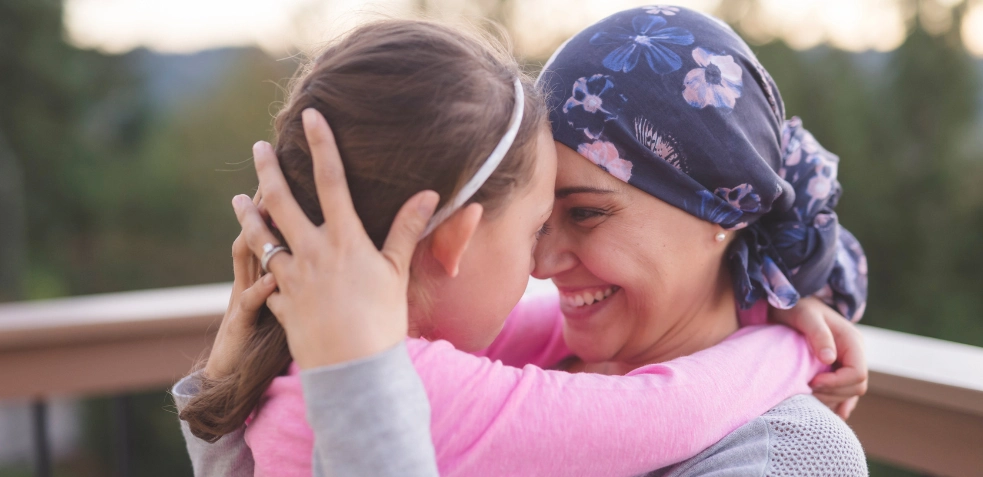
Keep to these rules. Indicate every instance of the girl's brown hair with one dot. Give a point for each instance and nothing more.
(414, 105)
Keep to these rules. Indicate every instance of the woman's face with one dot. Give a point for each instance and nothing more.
(470, 309)
(630, 268)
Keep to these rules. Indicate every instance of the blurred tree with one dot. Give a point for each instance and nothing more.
(124, 166)
(906, 125)
(23, 28)
(46, 88)
(903, 124)
(13, 246)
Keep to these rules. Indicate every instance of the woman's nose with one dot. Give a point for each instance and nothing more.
(552, 255)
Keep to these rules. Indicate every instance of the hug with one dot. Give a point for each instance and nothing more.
(419, 178)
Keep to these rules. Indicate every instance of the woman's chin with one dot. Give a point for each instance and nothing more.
(590, 345)
(589, 351)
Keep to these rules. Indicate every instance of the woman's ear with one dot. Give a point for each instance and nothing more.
(451, 238)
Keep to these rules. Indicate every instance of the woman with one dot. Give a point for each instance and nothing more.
(284, 221)
(672, 142)
(688, 155)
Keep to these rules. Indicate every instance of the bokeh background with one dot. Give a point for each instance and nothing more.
(126, 127)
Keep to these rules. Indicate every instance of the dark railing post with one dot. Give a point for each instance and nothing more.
(42, 449)
(121, 417)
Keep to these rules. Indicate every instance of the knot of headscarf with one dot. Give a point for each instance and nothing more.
(674, 103)
(791, 252)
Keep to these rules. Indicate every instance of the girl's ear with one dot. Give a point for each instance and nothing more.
(451, 238)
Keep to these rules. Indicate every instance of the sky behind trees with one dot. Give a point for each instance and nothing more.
(280, 26)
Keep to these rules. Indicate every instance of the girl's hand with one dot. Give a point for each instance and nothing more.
(339, 297)
(249, 292)
(835, 341)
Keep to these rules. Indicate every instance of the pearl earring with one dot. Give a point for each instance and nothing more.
(720, 237)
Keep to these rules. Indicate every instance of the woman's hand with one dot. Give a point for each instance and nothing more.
(835, 341)
(249, 292)
(339, 297)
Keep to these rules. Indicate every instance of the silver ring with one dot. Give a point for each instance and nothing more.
(269, 250)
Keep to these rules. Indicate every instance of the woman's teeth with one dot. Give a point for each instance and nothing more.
(588, 297)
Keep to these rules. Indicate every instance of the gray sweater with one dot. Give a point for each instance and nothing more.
(372, 418)
(799, 437)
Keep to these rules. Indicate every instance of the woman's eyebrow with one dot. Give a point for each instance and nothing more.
(568, 191)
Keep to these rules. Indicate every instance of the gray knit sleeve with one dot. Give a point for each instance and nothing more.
(806, 438)
(370, 417)
(800, 436)
(229, 456)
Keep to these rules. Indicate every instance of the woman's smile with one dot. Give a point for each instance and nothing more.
(578, 303)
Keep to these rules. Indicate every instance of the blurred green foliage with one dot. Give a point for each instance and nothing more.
(116, 173)
(907, 127)
(128, 162)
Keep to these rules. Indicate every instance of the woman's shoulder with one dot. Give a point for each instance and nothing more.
(806, 437)
(800, 436)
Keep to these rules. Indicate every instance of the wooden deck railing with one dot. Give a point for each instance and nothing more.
(924, 409)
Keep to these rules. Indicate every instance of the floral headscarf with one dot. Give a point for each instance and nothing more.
(674, 103)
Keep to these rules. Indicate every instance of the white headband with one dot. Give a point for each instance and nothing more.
(487, 168)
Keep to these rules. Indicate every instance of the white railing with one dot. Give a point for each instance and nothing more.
(924, 409)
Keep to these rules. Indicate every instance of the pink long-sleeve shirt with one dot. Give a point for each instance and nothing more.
(503, 414)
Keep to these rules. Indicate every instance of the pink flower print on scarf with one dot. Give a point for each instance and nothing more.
(662, 10)
(717, 83)
(606, 156)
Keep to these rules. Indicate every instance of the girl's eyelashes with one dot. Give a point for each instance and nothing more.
(543, 231)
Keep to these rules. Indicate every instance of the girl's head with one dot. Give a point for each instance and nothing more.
(414, 106)
(670, 133)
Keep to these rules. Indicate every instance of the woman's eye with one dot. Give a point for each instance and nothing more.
(580, 215)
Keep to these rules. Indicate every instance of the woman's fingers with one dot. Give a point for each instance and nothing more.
(406, 230)
(275, 302)
(241, 255)
(329, 174)
(340, 218)
(255, 234)
(237, 326)
(255, 296)
(279, 201)
(245, 265)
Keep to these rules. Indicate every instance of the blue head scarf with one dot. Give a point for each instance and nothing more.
(673, 102)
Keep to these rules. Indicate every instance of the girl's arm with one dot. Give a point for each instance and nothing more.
(492, 419)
